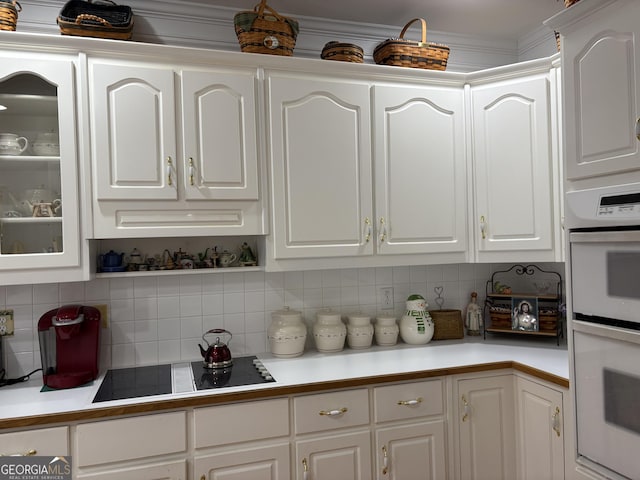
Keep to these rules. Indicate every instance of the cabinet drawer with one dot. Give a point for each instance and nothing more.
(408, 400)
(316, 413)
(44, 441)
(227, 424)
(130, 438)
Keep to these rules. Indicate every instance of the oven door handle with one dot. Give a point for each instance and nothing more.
(617, 236)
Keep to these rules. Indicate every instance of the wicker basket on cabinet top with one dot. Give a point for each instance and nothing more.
(406, 53)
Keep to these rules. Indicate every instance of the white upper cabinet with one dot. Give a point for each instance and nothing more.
(220, 138)
(320, 153)
(326, 202)
(420, 170)
(134, 132)
(516, 204)
(175, 150)
(40, 214)
(601, 88)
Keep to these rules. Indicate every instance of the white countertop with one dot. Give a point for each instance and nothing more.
(26, 399)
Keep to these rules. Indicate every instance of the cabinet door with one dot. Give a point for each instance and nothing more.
(514, 204)
(403, 451)
(420, 170)
(263, 463)
(176, 470)
(601, 92)
(540, 440)
(39, 207)
(220, 135)
(485, 423)
(344, 457)
(320, 150)
(133, 131)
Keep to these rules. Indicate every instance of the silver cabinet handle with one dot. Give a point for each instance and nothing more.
(383, 231)
(333, 413)
(191, 171)
(169, 171)
(410, 403)
(367, 224)
(305, 469)
(466, 409)
(385, 460)
(638, 129)
(555, 421)
(483, 227)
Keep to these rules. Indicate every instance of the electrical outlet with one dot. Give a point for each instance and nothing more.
(104, 314)
(6, 322)
(386, 298)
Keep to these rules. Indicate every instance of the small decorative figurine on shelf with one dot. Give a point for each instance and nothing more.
(473, 318)
(247, 258)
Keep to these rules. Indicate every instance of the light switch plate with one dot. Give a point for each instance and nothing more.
(6, 322)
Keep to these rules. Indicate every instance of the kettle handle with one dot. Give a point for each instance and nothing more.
(216, 331)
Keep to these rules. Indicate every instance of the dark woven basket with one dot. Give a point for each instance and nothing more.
(101, 20)
(9, 14)
(447, 324)
(406, 53)
(263, 30)
(342, 52)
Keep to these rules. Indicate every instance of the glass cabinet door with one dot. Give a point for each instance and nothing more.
(39, 221)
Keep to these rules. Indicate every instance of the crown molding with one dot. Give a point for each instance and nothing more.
(194, 24)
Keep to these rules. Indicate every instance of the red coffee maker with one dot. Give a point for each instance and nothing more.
(69, 345)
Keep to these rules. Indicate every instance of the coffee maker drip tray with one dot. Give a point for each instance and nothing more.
(135, 382)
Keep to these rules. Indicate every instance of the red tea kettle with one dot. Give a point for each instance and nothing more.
(217, 355)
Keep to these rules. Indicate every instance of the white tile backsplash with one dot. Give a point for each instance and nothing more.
(162, 318)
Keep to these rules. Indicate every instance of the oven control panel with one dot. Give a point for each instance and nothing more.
(619, 206)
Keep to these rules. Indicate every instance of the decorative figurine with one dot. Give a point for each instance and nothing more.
(416, 326)
(473, 318)
(247, 258)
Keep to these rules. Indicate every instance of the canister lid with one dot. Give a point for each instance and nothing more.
(286, 313)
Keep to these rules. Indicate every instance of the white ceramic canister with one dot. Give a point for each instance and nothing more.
(287, 333)
(386, 330)
(329, 332)
(359, 331)
(416, 325)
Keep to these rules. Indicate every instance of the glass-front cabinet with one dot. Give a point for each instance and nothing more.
(39, 223)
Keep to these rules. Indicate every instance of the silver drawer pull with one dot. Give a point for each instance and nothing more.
(333, 413)
(410, 403)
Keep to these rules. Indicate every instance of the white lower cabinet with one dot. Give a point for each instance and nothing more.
(175, 470)
(332, 436)
(149, 447)
(540, 441)
(498, 425)
(259, 463)
(247, 441)
(410, 430)
(43, 441)
(483, 424)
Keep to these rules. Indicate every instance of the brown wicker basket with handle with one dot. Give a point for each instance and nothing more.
(103, 19)
(447, 324)
(9, 14)
(342, 52)
(263, 30)
(406, 53)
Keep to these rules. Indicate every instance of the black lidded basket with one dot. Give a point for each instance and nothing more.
(101, 20)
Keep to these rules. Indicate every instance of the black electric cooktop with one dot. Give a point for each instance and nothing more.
(135, 382)
(152, 380)
(243, 371)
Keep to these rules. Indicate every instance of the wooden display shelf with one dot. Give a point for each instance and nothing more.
(499, 306)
